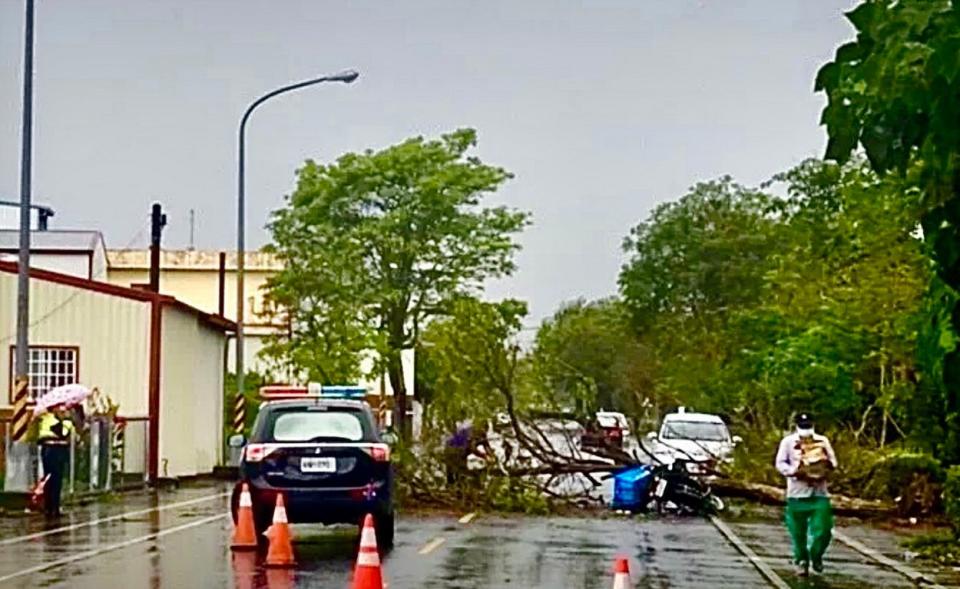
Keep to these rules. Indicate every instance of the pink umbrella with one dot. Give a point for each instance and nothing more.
(69, 394)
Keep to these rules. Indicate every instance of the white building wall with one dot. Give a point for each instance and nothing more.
(98, 265)
(191, 393)
(111, 333)
(77, 264)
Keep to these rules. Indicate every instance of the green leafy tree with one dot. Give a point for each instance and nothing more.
(893, 91)
(377, 243)
(700, 256)
(846, 289)
(471, 363)
(588, 352)
(695, 264)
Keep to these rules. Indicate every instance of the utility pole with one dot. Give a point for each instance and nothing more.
(193, 223)
(158, 220)
(18, 468)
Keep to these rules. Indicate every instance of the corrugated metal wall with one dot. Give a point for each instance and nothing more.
(112, 334)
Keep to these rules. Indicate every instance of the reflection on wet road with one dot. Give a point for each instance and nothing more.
(186, 545)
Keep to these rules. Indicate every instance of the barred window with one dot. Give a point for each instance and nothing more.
(48, 368)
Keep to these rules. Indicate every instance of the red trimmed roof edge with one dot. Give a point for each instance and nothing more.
(145, 296)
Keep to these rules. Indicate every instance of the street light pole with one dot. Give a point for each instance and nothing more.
(18, 459)
(348, 76)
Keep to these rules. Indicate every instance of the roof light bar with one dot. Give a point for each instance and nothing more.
(313, 390)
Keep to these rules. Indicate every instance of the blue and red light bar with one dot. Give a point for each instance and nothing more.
(313, 390)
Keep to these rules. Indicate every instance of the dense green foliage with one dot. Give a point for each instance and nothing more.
(376, 244)
(470, 364)
(893, 91)
(587, 356)
(951, 498)
(757, 306)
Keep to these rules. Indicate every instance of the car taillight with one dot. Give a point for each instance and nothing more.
(257, 452)
(379, 452)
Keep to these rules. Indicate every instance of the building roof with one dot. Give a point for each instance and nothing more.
(216, 321)
(60, 240)
(191, 260)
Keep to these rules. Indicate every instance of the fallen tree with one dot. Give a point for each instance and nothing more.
(769, 495)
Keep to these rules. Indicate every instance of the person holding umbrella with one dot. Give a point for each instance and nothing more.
(56, 410)
(55, 429)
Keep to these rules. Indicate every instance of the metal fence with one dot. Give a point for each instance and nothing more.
(105, 455)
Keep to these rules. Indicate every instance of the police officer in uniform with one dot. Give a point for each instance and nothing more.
(54, 437)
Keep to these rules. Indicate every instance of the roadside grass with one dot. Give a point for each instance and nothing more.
(941, 546)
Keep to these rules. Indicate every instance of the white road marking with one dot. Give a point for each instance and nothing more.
(431, 546)
(916, 576)
(110, 548)
(112, 518)
(467, 518)
(761, 566)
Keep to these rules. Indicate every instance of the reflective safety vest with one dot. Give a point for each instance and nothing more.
(53, 429)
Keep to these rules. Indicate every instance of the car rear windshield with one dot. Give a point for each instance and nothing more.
(695, 430)
(311, 425)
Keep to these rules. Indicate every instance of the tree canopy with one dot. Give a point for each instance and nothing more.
(378, 242)
(893, 90)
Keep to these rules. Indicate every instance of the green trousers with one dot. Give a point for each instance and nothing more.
(810, 522)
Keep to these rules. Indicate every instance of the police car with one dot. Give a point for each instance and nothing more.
(320, 447)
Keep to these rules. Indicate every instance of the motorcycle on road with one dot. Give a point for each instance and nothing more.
(674, 489)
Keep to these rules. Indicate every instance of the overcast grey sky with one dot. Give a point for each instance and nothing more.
(602, 108)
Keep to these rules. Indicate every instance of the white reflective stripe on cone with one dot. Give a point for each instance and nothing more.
(368, 538)
(245, 500)
(280, 516)
(368, 559)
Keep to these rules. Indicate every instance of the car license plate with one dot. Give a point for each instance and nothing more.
(314, 464)
(661, 487)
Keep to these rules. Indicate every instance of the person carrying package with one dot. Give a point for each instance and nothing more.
(806, 459)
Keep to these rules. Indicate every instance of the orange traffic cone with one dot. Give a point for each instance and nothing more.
(367, 574)
(244, 533)
(280, 553)
(621, 574)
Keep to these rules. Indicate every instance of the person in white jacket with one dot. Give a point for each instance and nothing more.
(804, 458)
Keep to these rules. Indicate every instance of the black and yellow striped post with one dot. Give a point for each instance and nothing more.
(120, 443)
(239, 413)
(21, 416)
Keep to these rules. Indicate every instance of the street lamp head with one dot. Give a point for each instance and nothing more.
(346, 76)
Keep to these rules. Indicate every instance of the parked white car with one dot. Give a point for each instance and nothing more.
(697, 437)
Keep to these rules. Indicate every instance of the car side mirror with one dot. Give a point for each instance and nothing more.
(652, 436)
(737, 440)
(236, 441)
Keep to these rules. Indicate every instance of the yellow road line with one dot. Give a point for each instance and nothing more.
(467, 518)
(431, 546)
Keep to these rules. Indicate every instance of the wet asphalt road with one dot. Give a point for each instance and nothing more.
(187, 546)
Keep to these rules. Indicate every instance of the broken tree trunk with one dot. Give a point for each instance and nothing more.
(768, 495)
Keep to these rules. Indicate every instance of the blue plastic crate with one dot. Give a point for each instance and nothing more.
(630, 487)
